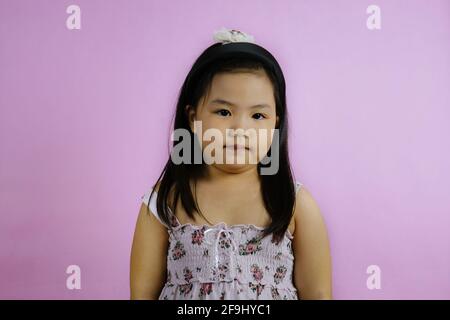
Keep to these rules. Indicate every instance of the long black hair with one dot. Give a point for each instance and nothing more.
(278, 190)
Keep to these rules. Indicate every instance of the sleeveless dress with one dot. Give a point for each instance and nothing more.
(223, 262)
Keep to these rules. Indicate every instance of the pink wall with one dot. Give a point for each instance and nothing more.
(85, 117)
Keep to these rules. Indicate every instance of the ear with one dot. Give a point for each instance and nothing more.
(190, 115)
(277, 122)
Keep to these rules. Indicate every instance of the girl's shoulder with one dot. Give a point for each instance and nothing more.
(149, 199)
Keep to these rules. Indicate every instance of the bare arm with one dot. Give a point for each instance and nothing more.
(312, 266)
(148, 256)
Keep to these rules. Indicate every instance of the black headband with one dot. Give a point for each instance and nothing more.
(220, 51)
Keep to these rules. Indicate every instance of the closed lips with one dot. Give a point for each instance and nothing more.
(236, 147)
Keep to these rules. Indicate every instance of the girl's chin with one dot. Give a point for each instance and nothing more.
(233, 159)
(234, 168)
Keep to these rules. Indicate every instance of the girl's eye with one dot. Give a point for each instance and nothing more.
(222, 112)
(260, 115)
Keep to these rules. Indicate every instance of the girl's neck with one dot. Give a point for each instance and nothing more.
(225, 179)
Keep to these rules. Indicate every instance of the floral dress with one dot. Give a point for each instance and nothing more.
(226, 262)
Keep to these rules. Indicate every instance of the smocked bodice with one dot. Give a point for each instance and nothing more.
(227, 262)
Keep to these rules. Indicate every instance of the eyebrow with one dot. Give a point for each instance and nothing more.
(222, 101)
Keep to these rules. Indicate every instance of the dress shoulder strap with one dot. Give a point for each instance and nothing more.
(298, 185)
(146, 198)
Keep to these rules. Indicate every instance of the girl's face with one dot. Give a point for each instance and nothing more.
(241, 100)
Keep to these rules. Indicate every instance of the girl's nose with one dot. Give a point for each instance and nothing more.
(240, 122)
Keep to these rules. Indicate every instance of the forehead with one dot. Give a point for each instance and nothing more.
(245, 88)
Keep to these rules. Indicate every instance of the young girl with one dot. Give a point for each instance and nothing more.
(239, 230)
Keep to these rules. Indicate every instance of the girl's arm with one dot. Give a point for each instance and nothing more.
(312, 264)
(148, 256)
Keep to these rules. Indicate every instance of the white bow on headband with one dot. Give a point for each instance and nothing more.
(225, 36)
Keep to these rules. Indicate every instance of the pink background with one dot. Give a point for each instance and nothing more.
(85, 118)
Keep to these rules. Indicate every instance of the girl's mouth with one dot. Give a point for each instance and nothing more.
(236, 147)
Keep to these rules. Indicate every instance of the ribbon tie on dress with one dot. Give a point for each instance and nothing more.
(223, 231)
